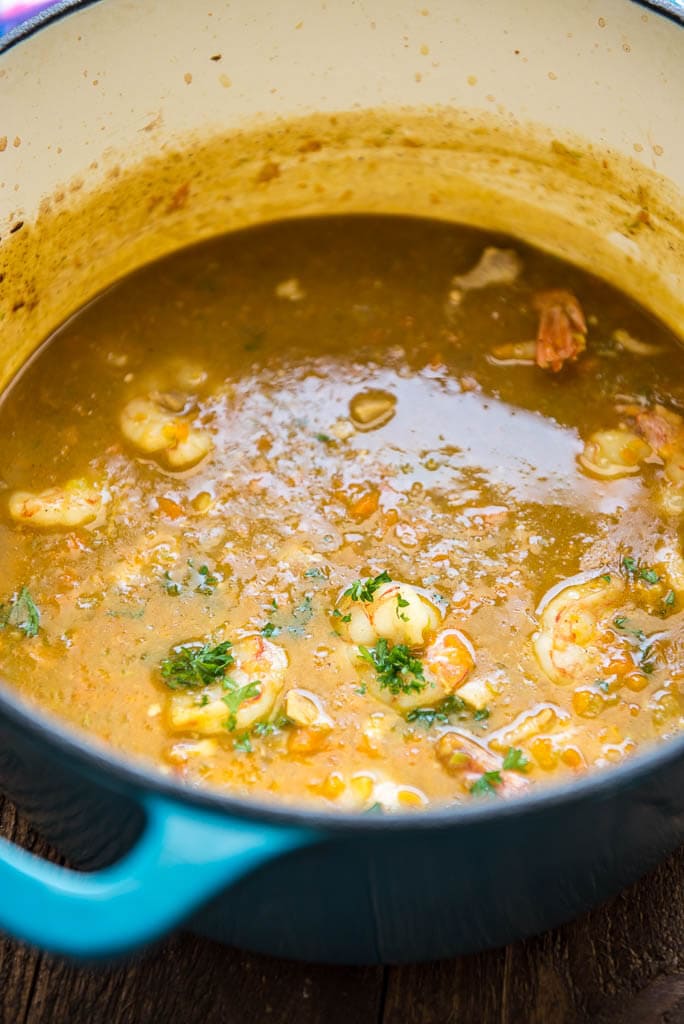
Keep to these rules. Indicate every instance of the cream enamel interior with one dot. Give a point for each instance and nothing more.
(129, 130)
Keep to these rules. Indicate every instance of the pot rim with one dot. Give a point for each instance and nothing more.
(126, 773)
(671, 9)
(123, 772)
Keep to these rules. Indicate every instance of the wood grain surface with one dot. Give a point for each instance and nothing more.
(621, 964)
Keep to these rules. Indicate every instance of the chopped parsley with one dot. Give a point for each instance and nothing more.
(451, 705)
(207, 582)
(270, 630)
(645, 655)
(325, 438)
(482, 714)
(315, 573)
(515, 760)
(486, 784)
(170, 585)
(243, 743)
(633, 570)
(236, 696)
(669, 601)
(337, 614)
(402, 603)
(364, 590)
(269, 728)
(196, 665)
(397, 669)
(22, 613)
(302, 614)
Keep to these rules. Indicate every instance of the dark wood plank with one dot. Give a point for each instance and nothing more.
(186, 980)
(192, 980)
(621, 964)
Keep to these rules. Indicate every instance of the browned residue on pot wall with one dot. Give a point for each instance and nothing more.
(603, 212)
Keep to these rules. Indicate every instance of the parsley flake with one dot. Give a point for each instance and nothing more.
(208, 580)
(364, 590)
(170, 585)
(22, 613)
(451, 705)
(397, 669)
(236, 696)
(196, 665)
(243, 743)
(486, 784)
(515, 760)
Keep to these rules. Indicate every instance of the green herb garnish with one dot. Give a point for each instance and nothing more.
(482, 714)
(170, 585)
(451, 705)
(364, 590)
(645, 654)
(270, 630)
(196, 665)
(634, 570)
(22, 613)
(337, 614)
(236, 696)
(515, 760)
(486, 784)
(269, 728)
(397, 669)
(243, 743)
(401, 603)
(208, 581)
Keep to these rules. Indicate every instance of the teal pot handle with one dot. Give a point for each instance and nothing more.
(183, 857)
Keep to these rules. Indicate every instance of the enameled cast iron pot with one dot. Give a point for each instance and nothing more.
(128, 129)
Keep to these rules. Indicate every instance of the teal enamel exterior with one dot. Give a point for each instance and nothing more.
(181, 859)
(301, 885)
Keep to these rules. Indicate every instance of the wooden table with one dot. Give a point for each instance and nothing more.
(621, 964)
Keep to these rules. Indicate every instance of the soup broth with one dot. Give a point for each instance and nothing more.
(374, 513)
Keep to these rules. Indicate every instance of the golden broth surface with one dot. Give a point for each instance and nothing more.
(316, 427)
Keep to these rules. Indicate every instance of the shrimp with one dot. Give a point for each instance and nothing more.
(465, 759)
(576, 642)
(562, 333)
(448, 662)
(247, 695)
(610, 454)
(75, 504)
(154, 429)
(664, 431)
(397, 612)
